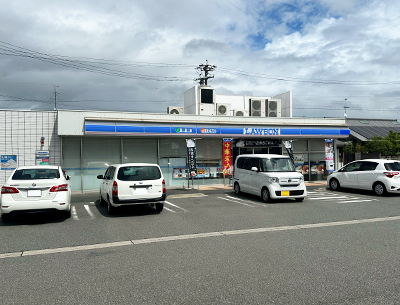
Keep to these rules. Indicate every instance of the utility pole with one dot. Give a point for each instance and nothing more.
(345, 107)
(206, 69)
(55, 97)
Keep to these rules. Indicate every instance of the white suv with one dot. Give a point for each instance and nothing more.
(132, 184)
(269, 176)
(378, 175)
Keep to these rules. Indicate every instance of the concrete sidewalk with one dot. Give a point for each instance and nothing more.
(221, 186)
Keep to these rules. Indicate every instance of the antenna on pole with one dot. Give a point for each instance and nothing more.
(345, 107)
(206, 69)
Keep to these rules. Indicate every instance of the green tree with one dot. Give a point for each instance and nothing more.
(389, 145)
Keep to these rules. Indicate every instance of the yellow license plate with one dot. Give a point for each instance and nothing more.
(285, 193)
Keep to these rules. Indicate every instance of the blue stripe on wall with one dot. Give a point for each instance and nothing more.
(136, 129)
(311, 131)
(289, 131)
(157, 129)
(103, 128)
(227, 130)
(330, 131)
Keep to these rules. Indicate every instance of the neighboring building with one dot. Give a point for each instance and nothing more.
(362, 130)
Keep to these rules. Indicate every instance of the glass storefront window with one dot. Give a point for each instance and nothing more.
(98, 154)
(139, 151)
(71, 160)
(300, 145)
(317, 145)
(317, 166)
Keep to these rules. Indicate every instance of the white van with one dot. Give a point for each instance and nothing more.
(268, 176)
(132, 184)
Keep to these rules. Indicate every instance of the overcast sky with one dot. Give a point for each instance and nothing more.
(138, 55)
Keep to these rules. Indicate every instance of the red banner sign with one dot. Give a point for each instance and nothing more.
(227, 157)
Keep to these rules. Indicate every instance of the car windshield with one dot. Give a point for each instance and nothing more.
(277, 165)
(393, 166)
(138, 173)
(36, 173)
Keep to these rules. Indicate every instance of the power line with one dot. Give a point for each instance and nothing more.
(91, 65)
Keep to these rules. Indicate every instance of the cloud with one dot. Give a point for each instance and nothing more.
(324, 51)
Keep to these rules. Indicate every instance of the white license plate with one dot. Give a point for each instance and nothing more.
(34, 193)
(140, 190)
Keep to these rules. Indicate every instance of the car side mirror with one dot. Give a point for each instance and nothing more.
(67, 177)
(100, 177)
(254, 169)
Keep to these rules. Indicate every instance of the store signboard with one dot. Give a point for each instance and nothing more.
(168, 129)
(42, 157)
(227, 156)
(330, 165)
(8, 162)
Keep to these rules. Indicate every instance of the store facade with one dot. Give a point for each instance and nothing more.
(90, 141)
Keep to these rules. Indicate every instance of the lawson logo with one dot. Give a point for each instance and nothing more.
(261, 131)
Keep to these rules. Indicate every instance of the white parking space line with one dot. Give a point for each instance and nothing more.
(73, 213)
(323, 198)
(165, 208)
(252, 206)
(362, 200)
(251, 202)
(138, 242)
(167, 202)
(89, 211)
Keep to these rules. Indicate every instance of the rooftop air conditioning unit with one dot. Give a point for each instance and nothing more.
(273, 108)
(257, 107)
(175, 110)
(241, 112)
(223, 109)
(206, 109)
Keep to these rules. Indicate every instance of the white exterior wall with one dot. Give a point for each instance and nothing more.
(190, 101)
(286, 103)
(237, 102)
(20, 135)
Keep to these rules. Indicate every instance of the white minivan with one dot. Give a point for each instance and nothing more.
(132, 184)
(268, 176)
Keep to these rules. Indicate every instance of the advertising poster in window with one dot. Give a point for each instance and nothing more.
(8, 162)
(179, 173)
(330, 165)
(227, 156)
(203, 172)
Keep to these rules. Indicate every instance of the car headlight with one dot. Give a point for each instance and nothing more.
(273, 180)
(301, 178)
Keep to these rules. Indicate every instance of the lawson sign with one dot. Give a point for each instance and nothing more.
(143, 129)
(261, 131)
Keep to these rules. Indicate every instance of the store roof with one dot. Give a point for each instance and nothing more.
(364, 129)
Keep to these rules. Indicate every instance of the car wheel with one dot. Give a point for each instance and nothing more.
(67, 214)
(237, 188)
(159, 206)
(6, 217)
(379, 189)
(265, 195)
(110, 208)
(299, 199)
(334, 184)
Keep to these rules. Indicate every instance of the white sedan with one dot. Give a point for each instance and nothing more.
(378, 175)
(32, 189)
